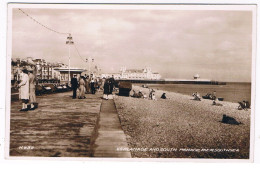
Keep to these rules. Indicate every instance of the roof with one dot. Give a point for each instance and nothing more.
(71, 69)
(134, 71)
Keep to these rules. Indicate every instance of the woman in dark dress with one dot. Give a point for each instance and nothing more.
(106, 89)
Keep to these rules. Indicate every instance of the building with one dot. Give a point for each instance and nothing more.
(108, 75)
(17, 64)
(46, 70)
(43, 70)
(197, 76)
(139, 74)
(65, 72)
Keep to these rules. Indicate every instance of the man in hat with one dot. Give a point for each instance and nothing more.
(32, 83)
(24, 89)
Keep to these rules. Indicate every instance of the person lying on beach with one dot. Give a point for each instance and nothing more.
(216, 104)
(196, 96)
(163, 96)
(229, 120)
(139, 94)
(207, 96)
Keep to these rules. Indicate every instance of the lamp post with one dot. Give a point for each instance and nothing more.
(89, 60)
(69, 42)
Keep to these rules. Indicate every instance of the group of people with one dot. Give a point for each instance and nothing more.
(27, 90)
(90, 85)
(151, 96)
(83, 85)
(109, 84)
(210, 96)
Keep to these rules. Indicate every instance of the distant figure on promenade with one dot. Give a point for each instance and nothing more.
(112, 84)
(92, 86)
(163, 96)
(74, 85)
(32, 83)
(102, 83)
(24, 89)
(96, 85)
(87, 85)
(81, 88)
(106, 89)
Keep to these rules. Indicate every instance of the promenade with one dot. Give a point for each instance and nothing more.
(60, 127)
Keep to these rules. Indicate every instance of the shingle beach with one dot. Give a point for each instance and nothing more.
(180, 127)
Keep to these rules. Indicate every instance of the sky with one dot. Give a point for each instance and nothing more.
(178, 44)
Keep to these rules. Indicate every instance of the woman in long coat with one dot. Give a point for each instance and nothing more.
(32, 83)
(24, 89)
(106, 89)
(87, 85)
(82, 88)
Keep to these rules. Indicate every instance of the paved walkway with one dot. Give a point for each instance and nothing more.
(61, 126)
(110, 135)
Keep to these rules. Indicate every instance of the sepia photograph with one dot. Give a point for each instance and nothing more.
(131, 81)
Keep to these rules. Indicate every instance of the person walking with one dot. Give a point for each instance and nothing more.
(24, 89)
(82, 88)
(32, 83)
(74, 85)
(92, 86)
(112, 84)
(106, 89)
(87, 84)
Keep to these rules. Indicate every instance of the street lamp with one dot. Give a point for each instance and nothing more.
(89, 60)
(69, 42)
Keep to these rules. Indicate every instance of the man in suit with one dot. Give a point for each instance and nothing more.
(74, 85)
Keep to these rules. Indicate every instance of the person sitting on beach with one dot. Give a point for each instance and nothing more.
(151, 93)
(140, 94)
(163, 96)
(243, 105)
(135, 94)
(196, 96)
(214, 96)
(153, 97)
(247, 104)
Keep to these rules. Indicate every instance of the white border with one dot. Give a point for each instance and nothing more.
(141, 159)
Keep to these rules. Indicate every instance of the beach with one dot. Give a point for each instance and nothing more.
(180, 127)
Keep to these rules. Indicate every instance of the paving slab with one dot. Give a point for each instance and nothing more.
(110, 135)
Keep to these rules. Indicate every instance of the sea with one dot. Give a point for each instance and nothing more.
(232, 92)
